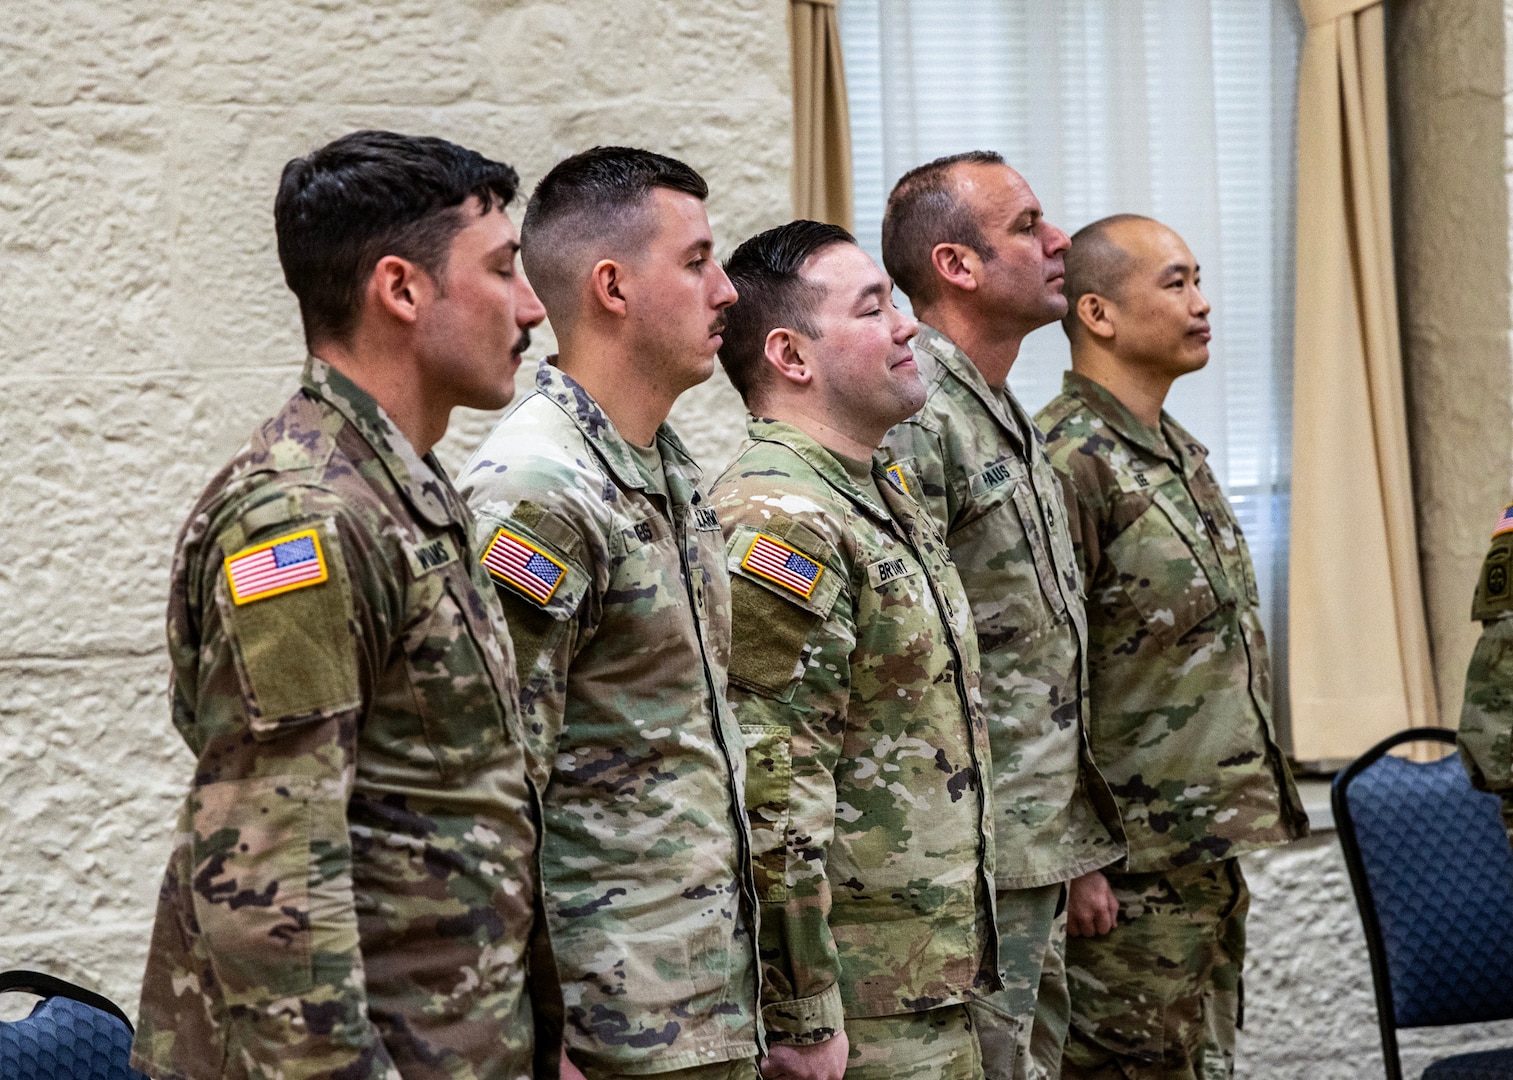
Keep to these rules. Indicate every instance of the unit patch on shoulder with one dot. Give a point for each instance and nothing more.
(782, 565)
(1504, 521)
(278, 566)
(522, 564)
(896, 474)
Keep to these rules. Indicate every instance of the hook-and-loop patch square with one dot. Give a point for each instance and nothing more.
(782, 565)
(278, 566)
(518, 562)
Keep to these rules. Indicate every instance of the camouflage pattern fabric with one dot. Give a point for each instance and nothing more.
(856, 689)
(1179, 676)
(1021, 1028)
(984, 476)
(1159, 998)
(351, 890)
(1486, 719)
(622, 642)
(940, 1044)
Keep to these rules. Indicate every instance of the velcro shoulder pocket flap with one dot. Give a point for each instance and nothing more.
(534, 554)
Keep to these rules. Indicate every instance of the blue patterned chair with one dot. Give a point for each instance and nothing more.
(72, 1034)
(1433, 875)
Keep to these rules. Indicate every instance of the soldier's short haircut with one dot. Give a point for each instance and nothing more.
(368, 195)
(1095, 263)
(771, 293)
(925, 210)
(592, 206)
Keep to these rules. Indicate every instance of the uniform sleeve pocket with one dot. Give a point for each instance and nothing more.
(1162, 577)
(251, 848)
(295, 655)
(768, 634)
(769, 776)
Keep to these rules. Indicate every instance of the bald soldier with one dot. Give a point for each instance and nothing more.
(1486, 719)
(611, 569)
(855, 681)
(351, 889)
(965, 238)
(1180, 681)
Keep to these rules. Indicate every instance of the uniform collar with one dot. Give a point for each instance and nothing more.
(420, 479)
(822, 461)
(1172, 443)
(682, 471)
(1004, 408)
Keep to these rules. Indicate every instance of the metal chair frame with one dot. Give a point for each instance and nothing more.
(50, 986)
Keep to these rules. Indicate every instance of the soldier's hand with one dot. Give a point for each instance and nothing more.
(1091, 906)
(816, 1061)
(568, 1070)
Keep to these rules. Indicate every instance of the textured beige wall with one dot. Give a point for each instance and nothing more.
(1451, 175)
(145, 329)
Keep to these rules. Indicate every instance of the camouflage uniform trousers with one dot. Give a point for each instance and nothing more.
(1023, 1027)
(938, 1044)
(1160, 997)
(739, 1069)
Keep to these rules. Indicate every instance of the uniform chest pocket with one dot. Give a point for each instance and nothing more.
(1000, 570)
(457, 692)
(1161, 575)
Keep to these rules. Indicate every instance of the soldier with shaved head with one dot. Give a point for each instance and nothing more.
(1180, 684)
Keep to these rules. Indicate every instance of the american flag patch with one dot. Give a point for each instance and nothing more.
(520, 563)
(777, 562)
(1504, 521)
(279, 566)
(896, 474)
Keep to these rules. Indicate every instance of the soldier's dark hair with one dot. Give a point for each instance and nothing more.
(368, 195)
(591, 206)
(924, 210)
(771, 293)
(1095, 263)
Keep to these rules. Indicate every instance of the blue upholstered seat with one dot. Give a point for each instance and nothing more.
(1433, 876)
(64, 1038)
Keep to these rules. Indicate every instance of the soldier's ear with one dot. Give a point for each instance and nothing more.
(1093, 311)
(783, 351)
(956, 264)
(398, 287)
(606, 287)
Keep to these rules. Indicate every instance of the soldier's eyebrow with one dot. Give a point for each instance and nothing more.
(877, 289)
(1182, 268)
(509, 249)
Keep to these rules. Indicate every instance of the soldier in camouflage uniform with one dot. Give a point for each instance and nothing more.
(983, 473)
(855, 682)
(610, 565)
(351, 890)
(1486, 718)
(1180, 683)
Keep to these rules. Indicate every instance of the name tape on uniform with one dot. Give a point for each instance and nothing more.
(278, 566)
(896, 474)
(705, 519)
(886, 570)
(782, 565)
(518, 562)
(1504, 521)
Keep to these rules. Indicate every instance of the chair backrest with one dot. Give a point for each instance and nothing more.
(72, 1034)
(1433, 873)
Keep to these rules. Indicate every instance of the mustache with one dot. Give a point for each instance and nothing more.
(522, 344)
(718, 326)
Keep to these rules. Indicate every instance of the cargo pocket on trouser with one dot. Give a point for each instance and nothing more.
(1224, 1001)
(1138, 992)
(251, 854)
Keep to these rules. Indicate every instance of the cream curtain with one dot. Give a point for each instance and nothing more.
(821, 120)
(1359, 645)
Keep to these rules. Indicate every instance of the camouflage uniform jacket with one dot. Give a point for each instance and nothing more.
(1486, 719)
(984, 476)
(855, 683)
(623, 640)
(351, 888)
(1180, 680)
